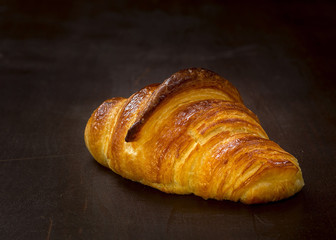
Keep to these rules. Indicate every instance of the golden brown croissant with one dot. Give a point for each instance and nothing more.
(192, 134)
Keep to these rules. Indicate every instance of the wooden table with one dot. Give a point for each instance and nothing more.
(60, 59)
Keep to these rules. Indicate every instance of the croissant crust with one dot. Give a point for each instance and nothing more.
(192, 134)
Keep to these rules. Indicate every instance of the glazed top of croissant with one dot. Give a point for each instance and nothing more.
(193, 80)
(192, 134)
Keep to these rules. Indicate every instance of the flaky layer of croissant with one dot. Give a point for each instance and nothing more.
(192, 134)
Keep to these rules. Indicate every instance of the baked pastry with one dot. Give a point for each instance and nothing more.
(192, 134)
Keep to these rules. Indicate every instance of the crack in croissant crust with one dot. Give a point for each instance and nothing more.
(192, 134)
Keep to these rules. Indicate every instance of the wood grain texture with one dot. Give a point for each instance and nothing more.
(60, 59)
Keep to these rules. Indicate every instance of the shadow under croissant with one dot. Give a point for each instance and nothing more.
(190, 213)
(133, 203)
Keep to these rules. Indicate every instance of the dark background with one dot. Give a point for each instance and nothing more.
(60, 59)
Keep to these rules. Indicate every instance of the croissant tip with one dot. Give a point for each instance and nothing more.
(129, 136)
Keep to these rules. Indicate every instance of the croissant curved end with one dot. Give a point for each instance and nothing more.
(274, 188)
(98, 128)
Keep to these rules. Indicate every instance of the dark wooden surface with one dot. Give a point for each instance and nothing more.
(60, 59)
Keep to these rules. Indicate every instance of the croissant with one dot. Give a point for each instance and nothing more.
(192, 134)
